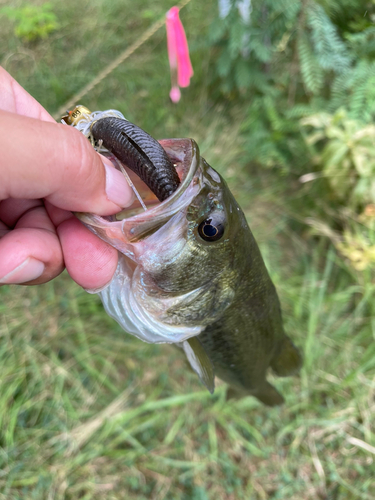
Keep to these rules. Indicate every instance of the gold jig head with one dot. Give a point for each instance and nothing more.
(78, 113)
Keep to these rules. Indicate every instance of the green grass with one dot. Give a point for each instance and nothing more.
(89, 412)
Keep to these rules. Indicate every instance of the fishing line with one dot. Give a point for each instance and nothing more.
(114, 64)
(126, 175)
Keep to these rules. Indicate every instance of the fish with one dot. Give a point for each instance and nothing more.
(190, 273)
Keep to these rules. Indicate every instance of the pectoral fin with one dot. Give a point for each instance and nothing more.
(200, 362)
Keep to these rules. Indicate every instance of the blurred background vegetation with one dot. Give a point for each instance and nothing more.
(282, 103)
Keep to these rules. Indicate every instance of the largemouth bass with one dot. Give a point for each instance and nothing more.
(190, 273)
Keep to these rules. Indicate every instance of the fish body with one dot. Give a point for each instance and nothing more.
(190, 273)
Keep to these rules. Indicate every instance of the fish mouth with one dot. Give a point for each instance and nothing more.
(134, 223)
(182, 153)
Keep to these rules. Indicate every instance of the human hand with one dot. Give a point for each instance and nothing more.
(48, 170)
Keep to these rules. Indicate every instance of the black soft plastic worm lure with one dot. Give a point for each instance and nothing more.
(140, 152)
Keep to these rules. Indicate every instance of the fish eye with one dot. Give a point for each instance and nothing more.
(212, 229)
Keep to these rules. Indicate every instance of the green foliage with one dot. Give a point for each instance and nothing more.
(294, 59)
(345, 152)
(331, 52)
(273, 140)
(32, 22)
(244, 48)
(311, 71)
(357, 242)
(362, 44)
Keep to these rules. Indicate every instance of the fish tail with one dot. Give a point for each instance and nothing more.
(268, 395)
(287, 360)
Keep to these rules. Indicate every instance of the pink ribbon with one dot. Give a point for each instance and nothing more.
(178, 53)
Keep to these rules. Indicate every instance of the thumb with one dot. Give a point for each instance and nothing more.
(42, 159)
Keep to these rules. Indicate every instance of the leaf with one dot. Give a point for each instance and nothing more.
(243, 74)
(318, 120)
(333, 158)
(236, 34)
(312, 73)
(224, 63)
(330, 50)
(217, 31)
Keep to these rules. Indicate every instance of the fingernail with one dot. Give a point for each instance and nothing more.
(99, 289)
(117, 189)
(29, 270)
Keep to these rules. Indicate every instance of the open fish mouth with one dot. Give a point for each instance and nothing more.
(134, 223)
(163, 174)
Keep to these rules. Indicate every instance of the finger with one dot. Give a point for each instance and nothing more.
(3, 229)
(89, 261)
(15, 99)
(36, 218)
(57, 215)
(30, 253)
(30, 256)
(11, 210)
(54, 161)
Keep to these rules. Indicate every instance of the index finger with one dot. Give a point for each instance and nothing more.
(42, 159)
